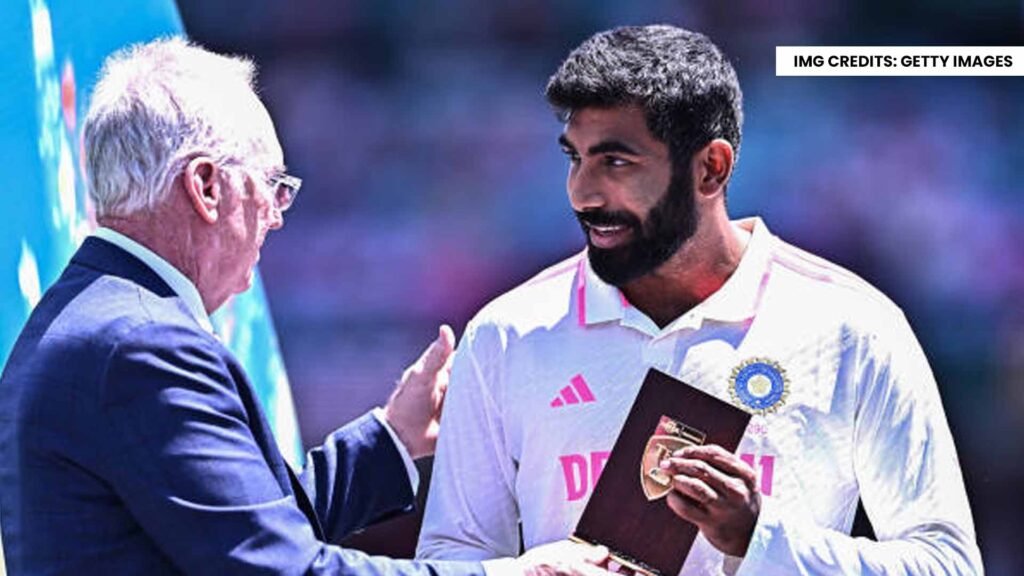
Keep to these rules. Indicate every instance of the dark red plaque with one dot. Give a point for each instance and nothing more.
(627, 511)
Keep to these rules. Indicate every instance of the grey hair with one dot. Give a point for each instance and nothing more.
(156, 106)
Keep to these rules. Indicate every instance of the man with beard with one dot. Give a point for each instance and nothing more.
(844, 404)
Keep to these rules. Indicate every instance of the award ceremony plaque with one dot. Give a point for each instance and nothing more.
(627, 511)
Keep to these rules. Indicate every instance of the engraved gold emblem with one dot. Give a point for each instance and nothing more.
(669, 436)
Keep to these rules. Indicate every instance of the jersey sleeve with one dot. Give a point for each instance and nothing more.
(471, 510)
(907, 472)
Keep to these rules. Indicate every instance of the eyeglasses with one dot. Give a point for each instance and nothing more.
(285, 188)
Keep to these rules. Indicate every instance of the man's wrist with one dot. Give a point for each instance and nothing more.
(409, 441)
(407, 458)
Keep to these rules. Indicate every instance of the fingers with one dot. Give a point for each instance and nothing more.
(696, 485)
(445, 333)
(686, 508)
(584, 560)
(725, 461)
(624, 570)
(703, 482)
(721, 470)
(415, 405)
(438, 353)
(593, 554)
(587, 570)
(564, 558)
(717, 491)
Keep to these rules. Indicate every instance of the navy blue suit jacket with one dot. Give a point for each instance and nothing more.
(131, 442)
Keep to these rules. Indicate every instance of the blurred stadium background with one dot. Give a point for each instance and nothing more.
(433, 182)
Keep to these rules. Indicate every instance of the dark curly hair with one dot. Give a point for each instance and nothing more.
(686, 87)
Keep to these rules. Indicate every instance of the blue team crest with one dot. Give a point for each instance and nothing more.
(760, 385)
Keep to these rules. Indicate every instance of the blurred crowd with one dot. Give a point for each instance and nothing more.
(433, 181)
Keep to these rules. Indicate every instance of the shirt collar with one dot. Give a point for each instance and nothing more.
(736, 301)
(597, 301)
(177, 281)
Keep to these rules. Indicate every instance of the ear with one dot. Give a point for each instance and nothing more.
(713, 166)
(201, 181)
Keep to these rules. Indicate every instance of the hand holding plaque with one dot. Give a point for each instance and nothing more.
(625, 512)
(717, 492)
(669, 437)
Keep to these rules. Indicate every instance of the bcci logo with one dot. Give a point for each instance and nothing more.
(760, 385)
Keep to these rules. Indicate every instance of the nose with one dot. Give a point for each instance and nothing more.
(584, 188)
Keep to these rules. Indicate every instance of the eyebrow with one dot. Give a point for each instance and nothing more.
(604, 147)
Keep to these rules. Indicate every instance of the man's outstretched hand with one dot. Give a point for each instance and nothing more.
(414, 408)
(564, 558)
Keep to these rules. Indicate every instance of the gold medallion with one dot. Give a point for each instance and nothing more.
(669, 436)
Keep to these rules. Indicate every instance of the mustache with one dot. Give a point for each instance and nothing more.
(599, 217)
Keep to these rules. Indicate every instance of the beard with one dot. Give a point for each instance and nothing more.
(669, 224)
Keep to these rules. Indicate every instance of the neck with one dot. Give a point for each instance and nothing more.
(171, 240)
(696, 271)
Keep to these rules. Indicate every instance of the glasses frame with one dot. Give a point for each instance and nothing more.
(285, 188)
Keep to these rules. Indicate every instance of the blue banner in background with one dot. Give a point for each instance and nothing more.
(52, 52)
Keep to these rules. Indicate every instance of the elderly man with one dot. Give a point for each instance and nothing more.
(845, 406)
(131, 441)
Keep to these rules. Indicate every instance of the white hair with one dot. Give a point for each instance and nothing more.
(156, 106)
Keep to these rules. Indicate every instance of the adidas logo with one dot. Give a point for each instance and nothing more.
(577, 392)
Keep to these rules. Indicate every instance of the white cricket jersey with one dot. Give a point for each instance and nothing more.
(545, 375)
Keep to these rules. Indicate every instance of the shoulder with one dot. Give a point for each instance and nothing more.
(86, 315)
(811, 295)
(543, 301)
(815, 283)
(140, 340)
(88, 304)
(103, 340)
